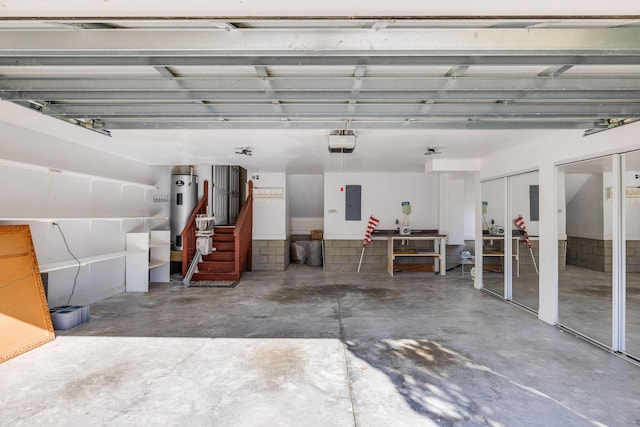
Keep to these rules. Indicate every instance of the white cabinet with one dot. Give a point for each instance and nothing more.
(147, 259)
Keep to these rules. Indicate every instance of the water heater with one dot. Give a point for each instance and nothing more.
(184, 198)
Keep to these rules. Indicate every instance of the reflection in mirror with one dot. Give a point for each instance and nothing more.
(524, 223)
(493, 229)
(585, 280)
(631, 205)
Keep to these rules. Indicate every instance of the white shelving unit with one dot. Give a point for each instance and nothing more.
(55, 171)
(148, 257)
(54, 266)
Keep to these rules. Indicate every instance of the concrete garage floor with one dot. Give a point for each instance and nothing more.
(307, 348)
(584, 302)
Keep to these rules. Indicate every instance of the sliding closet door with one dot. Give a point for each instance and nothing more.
(494, 225)
(631, 206)
(585, 283)
(524, 198)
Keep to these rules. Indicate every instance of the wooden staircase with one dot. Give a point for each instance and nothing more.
(232, 245)
(219, 265)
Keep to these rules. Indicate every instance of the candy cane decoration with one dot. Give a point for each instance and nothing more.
(371, 225)
(520, 223)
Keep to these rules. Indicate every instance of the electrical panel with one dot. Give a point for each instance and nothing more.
(353, 203)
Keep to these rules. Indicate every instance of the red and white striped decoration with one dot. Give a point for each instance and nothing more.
(523, 227)
(371, 225)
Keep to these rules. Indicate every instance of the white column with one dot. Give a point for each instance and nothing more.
(548, 251)
(619, 256)
(443, 203)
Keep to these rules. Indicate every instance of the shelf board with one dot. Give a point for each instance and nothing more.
(54, 171)
(49, 219)
(157, 263)
(496, 254)
(431, 254)
(159, 244)
(61, 265)
(426, 268)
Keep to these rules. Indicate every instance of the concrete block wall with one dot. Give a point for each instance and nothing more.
(344, 255)
(593, 254)
(596, 254)
(271, 255)
(633, 256)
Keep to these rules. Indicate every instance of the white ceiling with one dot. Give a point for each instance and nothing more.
(189, 83)
(297, 8)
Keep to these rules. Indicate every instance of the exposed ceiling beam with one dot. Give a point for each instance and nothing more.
(135, 95)
(201, 59)
(319, 97)
(386, 109)
(500, 83)
(355, 124)
(282, 42)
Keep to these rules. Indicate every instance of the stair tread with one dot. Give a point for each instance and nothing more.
(224, 246)
(216, 266)
(223, 230)
(214, 262)
(220, 256)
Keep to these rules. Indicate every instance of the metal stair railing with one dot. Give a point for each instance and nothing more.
(193, 268)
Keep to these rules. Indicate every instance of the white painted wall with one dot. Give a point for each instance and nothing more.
(519, 186)
(456, 213)
(382, 195)
(632, 206)
(585, 209)
(306, 201)
(30, 191)
(493, 192)
(456, 207)
(204, 172)
(270, 214)
(591, 208)
(469, 207)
